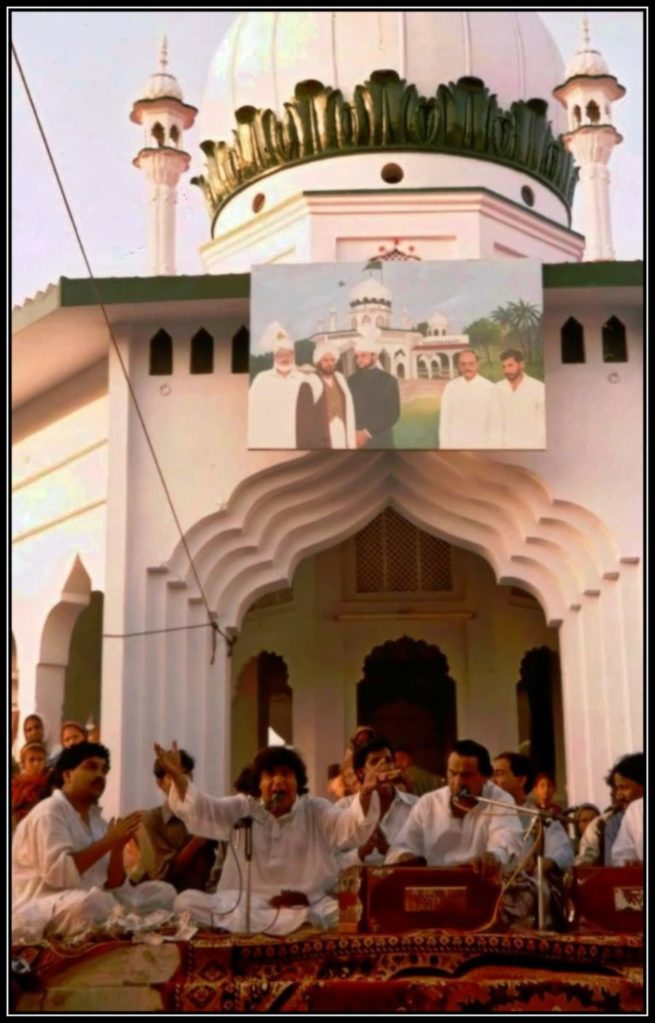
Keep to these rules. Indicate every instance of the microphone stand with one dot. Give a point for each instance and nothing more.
(541, 820)
(246, 824)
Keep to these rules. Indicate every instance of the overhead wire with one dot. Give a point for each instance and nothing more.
(211, 615)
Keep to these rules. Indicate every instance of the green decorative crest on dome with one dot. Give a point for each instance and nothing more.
(386, 113)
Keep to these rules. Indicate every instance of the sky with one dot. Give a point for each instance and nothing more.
(300, 298)
(86, 68)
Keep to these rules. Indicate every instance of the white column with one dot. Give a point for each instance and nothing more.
(592, 148)
(163, 168)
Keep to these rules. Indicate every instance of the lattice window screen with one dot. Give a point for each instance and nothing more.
(283, 596)
(392, 556)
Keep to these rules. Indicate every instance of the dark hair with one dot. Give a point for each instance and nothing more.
(72, 757)
(585, 806)
(279, 756)
(512, 353)
(33, 744)
(362, 752)
(521, 767)
(186, 760)
(470, 748)
(544, 774)
(244, 783)
(468, 351)
(333, 771)
(360, 728)
(73, 724)
(630, 766)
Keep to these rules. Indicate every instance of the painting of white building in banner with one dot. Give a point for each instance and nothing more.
(405, 355)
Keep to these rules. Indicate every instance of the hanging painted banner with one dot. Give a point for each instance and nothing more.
(404, 355)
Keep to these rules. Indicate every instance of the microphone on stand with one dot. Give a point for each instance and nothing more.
(245, 824)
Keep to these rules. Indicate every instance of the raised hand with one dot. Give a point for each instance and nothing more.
(171, 761)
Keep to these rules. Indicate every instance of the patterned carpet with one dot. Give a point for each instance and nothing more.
(423, 971)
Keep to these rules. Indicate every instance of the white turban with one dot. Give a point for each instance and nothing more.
(325, 348)
(274, 338)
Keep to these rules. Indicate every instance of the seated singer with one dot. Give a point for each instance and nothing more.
(448, 828)
(294, 840)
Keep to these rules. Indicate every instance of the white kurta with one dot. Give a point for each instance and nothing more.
(272, 404)
(296, 852)
(629, 843)
(432, 832)
(470, 414)
(391, 824)
(523, 414)
(49, 892)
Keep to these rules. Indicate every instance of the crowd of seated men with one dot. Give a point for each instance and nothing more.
(268, 859)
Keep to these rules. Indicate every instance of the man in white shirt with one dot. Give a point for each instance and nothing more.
(395, 804)
(67, 863)
(447, 828)
(294, 841)
(514, 774)
(522, 404)
(470, 408)
(273, 395)
(626, 781)
(628, 849)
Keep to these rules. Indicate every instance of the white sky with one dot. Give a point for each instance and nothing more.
(86, 68)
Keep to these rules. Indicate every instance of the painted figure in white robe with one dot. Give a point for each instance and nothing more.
(326, 414)
(447, 828)
(522, 405)
(294, 836)
(470, 408)
(67, 862)
(273, 395)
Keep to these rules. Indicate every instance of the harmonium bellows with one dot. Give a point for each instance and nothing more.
(396, 899)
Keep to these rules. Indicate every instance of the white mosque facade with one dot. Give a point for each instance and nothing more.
(495, 595)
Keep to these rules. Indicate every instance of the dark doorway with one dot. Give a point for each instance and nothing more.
(408, 696)
(539, 705)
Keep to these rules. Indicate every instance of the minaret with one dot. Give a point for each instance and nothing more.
(587, 94)
(164, 117)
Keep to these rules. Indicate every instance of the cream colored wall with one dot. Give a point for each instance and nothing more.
(325, 656)
(59, 514)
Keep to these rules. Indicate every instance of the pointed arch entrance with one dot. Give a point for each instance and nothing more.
(408, 696)
(558, 552)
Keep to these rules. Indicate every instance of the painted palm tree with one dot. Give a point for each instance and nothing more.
(502, 317)
(525, 321)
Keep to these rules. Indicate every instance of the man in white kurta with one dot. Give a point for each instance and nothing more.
(67, 872)
(444, 829)
(395, 805)
(470, 410)
(629, 845)
(294, 841)
(273, 395)
(522, 405)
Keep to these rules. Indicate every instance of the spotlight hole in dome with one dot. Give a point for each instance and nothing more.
(527, 195)
(392, 173)
(258, 202)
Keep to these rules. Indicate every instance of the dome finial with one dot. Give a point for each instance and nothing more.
(163, 55)
(586, 38)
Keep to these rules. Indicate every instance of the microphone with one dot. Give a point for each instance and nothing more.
(245, 824)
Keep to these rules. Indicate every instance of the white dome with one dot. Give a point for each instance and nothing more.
(438, 321)
(587, 62)
(161, 84)
(370, 289)
(265, 54)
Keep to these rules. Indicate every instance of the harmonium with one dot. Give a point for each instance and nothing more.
(397, 898)
(607, 899)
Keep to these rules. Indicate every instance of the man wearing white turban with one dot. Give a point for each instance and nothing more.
(376, 396)
(273, 395)
(326, 417)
